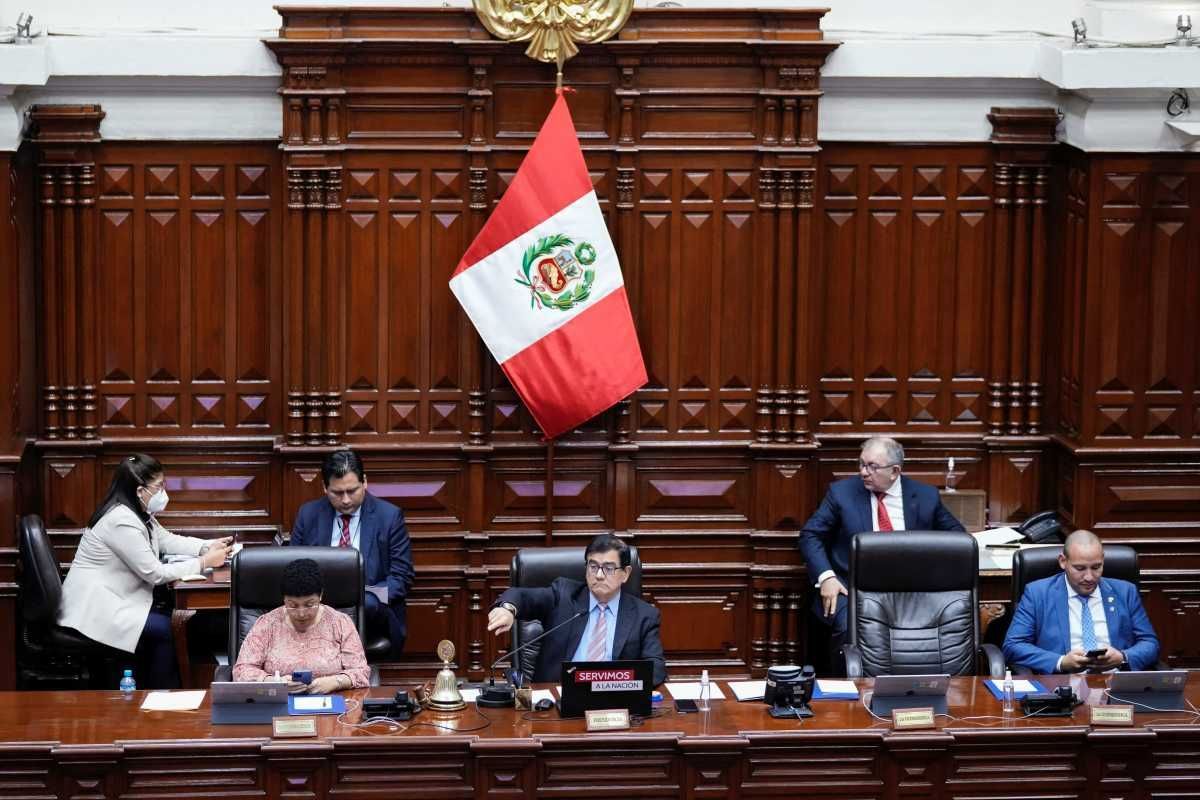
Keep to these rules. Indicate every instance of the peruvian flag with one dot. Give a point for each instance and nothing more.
(542, 284)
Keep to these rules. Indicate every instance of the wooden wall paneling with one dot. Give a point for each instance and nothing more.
(1141, 372)
(188, 241)
(904, 260)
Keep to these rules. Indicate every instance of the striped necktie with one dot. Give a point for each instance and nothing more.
(599, 642)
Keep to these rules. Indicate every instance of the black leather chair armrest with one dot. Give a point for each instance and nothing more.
(854, 665)
(991, 661)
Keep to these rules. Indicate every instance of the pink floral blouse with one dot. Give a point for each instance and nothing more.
(330, 646)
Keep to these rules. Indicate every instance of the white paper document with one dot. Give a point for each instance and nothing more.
(543, 694)
(194, 577)
(748, 690)
(691, 691)
(469, 695)
(173, 701)
(318, 703)
(837, 687)
(994, 536)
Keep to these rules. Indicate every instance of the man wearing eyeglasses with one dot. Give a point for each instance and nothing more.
(877, 500)
(609, 625)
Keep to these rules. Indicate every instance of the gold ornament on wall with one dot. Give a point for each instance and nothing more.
(552, 27)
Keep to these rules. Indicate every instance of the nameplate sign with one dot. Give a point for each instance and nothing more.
(1112, 715)
(286, 727)
(912, 719)
(608, 719)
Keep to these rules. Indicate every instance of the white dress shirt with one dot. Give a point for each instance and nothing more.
(355, 518)
(1075, 617)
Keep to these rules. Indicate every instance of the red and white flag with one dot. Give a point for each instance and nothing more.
(542, 284)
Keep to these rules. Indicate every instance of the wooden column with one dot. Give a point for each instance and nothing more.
(314, 256)
(1024, 140)
(65, 136)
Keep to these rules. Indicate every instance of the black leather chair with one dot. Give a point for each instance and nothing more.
(538, 567)
(1034, 563)
(914, 606)
(41, 594)
(254, 590)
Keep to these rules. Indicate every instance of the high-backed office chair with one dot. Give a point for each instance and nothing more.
(1034, 563)
(914, 606)
(41, 595)
(538, 567)
(254, 590)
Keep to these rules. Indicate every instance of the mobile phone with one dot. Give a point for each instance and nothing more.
(686, 706)
(1097, 653)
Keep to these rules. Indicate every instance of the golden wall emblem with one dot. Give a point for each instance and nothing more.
(552, 27)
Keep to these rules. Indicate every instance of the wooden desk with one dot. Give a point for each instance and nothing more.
(98, 744)
(190, 597)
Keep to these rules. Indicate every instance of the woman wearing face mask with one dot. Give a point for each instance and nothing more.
(109, 590)
(304, 635)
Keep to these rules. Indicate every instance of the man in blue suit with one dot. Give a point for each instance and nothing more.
(350, 516)
(877, 500)
(606, 624)
(1062, 618)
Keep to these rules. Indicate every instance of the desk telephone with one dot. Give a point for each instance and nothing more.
(400, 707)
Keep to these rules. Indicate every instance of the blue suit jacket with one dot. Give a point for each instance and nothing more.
(382, 538)
(846, 510)
(1040, 631)
(636, 635)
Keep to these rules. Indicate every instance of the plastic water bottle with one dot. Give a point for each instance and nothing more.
(705, 691)
(127, 684)
(1010, 700)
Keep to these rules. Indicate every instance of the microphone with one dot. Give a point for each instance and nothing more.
(503, 696)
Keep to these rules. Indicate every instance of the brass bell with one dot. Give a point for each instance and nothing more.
(445, 696)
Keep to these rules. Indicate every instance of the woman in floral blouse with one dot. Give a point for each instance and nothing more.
(304, 635)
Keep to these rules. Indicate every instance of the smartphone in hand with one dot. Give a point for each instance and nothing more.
(1098, 653)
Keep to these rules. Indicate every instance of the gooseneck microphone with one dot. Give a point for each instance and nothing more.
(503, 696)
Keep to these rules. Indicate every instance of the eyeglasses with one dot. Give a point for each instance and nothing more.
(304, 607)
(602, 570)
(155, 487)
(873, 468)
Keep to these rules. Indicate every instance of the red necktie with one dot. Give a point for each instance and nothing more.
(885, 522)
(345, 540)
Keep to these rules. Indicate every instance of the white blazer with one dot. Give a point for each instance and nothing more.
(110, 587)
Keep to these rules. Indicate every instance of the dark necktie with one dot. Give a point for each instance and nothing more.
(345, 540)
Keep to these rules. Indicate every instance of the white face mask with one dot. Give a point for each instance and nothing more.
(158, 501)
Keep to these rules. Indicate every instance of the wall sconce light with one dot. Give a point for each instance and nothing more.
(1080, 28)
(1183, 27)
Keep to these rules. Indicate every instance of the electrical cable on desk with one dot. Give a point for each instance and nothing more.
(1194, 713)
(370, 722)
(487, 723)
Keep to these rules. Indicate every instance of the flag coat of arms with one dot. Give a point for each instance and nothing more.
(543, 286)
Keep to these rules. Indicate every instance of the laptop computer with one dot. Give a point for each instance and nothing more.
(588, 685)
(1149, 691)
(909, 691)
(249, 702)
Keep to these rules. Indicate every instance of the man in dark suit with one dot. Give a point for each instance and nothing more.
(1062, 618)
(608, 625)
(877, 500)
(350, 516)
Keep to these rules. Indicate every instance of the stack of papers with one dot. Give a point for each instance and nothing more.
(835, 690)
(1020, 688)
(691, 691)
(173, 701)
(748, 690)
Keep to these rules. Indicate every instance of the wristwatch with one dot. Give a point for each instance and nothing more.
(509, 607)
